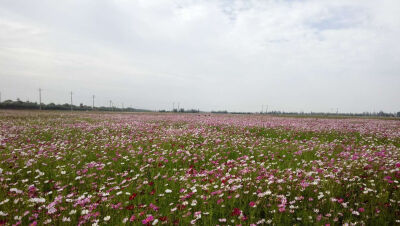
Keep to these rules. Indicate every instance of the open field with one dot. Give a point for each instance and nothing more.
(62, 168)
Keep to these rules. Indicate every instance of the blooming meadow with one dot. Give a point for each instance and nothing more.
(152, 169)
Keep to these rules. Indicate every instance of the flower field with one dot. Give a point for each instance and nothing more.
(62, 168)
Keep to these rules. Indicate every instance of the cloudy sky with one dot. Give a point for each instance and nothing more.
(292, 55)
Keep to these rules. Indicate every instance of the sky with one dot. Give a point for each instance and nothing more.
(289, 55)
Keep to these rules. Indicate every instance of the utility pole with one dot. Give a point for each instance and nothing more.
(40, 99)
(71, 100)
(262, 108)
(266, 111)
(178, 106)
(93, 103)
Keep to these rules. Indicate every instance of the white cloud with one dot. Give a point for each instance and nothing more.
(234, 55)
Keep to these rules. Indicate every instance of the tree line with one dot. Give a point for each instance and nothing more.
(19, 104)
(27, 105)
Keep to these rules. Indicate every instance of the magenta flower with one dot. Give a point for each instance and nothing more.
(236, 212)
(148, 220)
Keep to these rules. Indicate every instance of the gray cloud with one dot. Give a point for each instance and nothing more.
(235, 55)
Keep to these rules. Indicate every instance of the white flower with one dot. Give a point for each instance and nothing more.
(3, 214)
(17, 218)
(16, 190)
(72, 212)
(320, 196)
(84, 212)
(66, 219)
(155, 222)
(107, 218)
(37, 200)
(51, 210)
(5, 201)
(168, 191)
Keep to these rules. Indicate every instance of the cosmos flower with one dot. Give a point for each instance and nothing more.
(148, 220)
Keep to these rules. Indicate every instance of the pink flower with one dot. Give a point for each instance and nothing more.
(304, 184)
(388, 179)
(148, 220)
(198, 213)
(361, 210)
(252, 204)
(133, 217)
(220, 201)
(154, 207)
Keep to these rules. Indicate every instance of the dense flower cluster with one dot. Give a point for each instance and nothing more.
(150, 169)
